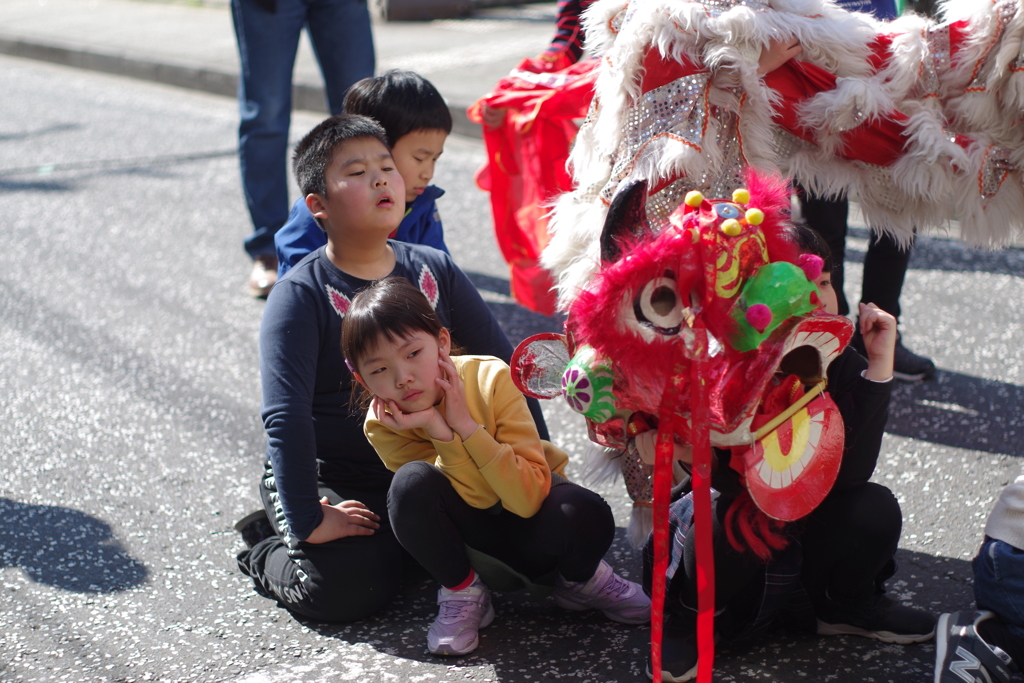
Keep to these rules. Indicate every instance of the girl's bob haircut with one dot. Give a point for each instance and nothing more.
(389, 309)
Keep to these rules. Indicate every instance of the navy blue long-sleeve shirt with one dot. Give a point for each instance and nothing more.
(312, 435)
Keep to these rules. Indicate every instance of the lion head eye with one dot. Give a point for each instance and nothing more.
(727, 211)
(660, 306)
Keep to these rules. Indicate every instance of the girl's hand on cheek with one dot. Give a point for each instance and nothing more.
(456, 410)
(429, 419)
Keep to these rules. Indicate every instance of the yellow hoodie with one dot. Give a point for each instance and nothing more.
(505, 460)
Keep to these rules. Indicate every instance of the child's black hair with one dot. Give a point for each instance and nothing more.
(810, 242)
(389, 309)
(401, 101)
(314, 152)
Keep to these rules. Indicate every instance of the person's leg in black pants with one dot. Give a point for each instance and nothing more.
(848, 544)
(571, 532)
(885, 270)
(739, 586)
(827, 217)
(343, 580)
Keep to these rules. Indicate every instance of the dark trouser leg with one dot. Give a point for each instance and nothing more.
(848, 541)
(885, 269)
(344, 580)
(342, 40)
(423, 508)
(739, 577)
(571, 532)
(267, 44)
(828, 218)
(999, 587)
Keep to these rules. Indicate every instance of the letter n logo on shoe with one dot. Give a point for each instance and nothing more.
(963, 666)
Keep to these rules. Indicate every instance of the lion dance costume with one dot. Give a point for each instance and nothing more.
(681, 309)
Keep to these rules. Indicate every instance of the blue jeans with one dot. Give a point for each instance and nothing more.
(267, 43)
(999, 583)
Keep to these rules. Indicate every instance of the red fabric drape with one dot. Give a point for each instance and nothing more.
(526, 167)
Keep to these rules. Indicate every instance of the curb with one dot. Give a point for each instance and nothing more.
(304, 97)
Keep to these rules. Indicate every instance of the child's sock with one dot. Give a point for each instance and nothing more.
(466, 583)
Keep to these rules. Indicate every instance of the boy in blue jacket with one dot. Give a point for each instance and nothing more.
(417, 122)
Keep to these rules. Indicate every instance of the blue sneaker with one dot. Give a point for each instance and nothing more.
(963, 656)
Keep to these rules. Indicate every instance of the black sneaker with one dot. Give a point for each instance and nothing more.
(961, 654)
(879, 617)
(907, 365)
(678, 653)
(910, 367)
(254, 527)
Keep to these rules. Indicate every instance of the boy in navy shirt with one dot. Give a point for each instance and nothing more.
(323, 546)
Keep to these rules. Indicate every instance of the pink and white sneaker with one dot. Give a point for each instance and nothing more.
(463, 613)
(620, 600)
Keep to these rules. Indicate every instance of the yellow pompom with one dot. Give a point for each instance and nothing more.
(755, 216)
(694, 198)
(731, 227)
(741, 196)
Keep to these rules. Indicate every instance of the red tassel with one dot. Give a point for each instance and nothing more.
(662, 492)
(701, 473)
(760, 534)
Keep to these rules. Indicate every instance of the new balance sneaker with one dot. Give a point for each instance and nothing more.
(963, 656)
(678, 653)
(254, 527)
(619, 600)
(463, 613)
(878, 617)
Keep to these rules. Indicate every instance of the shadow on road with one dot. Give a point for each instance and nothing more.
(936, 253)
(960, 411)
(517, 322)
(533, 640)
(66, 549)
(42, 131)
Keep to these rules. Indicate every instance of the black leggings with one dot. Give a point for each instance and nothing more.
(885, 263)
(846, 543)
(343, 580)
(570, 533)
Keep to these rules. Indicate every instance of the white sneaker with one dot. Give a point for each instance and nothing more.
(619, 600)
(462, 614)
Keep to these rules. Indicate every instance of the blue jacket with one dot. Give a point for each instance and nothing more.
(882, 9)
(301, 235)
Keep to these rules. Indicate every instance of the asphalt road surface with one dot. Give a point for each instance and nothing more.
(130, 438)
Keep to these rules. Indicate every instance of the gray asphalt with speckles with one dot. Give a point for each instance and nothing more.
(130, 438)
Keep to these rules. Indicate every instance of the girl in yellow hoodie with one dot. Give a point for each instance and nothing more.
(471, 470)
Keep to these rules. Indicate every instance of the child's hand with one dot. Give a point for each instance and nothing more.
(429, 419)
(778, 52)
(493, 118)
(455, 408)
(878, 330)
(347, 518)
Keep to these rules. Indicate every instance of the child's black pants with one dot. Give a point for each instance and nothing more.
(570, 533)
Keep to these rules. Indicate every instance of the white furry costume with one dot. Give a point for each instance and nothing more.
(956, 90)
